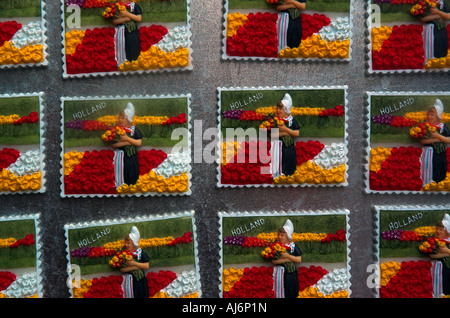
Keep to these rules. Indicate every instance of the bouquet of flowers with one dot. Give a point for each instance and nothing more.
(120, 260)
(422, 9)
(113, 11)
(274, 251)
(271, 121)
(432, 245)
(113, 134)
(424, 130)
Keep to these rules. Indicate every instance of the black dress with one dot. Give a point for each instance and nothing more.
(288, 153)
(294, 31)
(131, 162)
(291, 284)
(140, 287)
(132, 40)
(440, 159)
(441, 37)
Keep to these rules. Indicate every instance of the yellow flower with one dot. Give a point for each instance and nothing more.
(155, 58)
(234, 22)
(71, 159)
(316, 47)
(379, 35)
(8, 120)
(425, 230)
(387, 271)
(32, 54)
(377, 157)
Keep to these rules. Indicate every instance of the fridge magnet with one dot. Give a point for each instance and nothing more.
(287, 30)
(412, 249)
(285, 255)
(23, 34)
(121, 37)
(22, 168)
(145, 257)
(20, 257)
(121, 146)
(407, 138)
(275, 137)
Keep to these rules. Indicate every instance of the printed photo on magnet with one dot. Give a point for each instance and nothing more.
(407, 142)
(22, 150)
(287, 30)
(20, 257)
(102, 38)
(23, 34)
(125, 146)
(143, 257)
(296, 254)
(408, 36)
(282, 137)
(412, 250)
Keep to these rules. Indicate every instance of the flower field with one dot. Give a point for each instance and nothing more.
(256, 35)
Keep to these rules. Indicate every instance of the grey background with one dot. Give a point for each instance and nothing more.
(209, 73)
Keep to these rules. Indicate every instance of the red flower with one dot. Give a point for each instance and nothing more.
(6, 279)
(32, 118)
(402, 50)
(247, 167)
(93, 175)
(157, 281)
(151, 35)
(150, 159)
(180, 119)
(95, 53)
(313, 23)
(7, 30)
(307, 150)
(412, 281)
(257, 37)
(339, 236)
(404, 161)
(27, 241)
(106, 287)
(336, 112)
(7, 157)
(186, 238)
(310, 276)
(256, 282)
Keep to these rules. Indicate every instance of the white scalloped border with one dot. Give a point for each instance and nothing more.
(37, 240)
(102, 74)
(378, 208)
(87, 98)
(220, 139)
(44, 44)
(369, 69)
(147, 218)
(368, 148)
(284, 213)
(42, 125)
(298, 59)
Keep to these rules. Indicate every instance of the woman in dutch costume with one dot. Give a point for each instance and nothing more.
(135, 281)
(286, 284)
